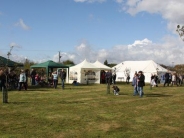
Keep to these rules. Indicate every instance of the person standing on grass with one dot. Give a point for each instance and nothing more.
(2, 78)
(33, 74)
(166, 76)
(134, 84)
(128, 79)
(22, 80)
(108, 76)
(55, 79)
(174, 79)
(141, 83)
(63, 77)
(114, 78)
(26, 73)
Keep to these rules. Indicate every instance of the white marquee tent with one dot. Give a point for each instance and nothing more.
(84, 72)
(130, 67)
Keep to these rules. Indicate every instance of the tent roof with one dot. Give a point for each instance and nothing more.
(50, 64)
(101, 66)
(3, 62)
(85, 64)
(145, 66)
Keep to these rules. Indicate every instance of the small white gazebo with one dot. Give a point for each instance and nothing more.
(101, 66)
(84, 72)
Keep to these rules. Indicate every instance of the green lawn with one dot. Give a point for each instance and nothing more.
(87, 111)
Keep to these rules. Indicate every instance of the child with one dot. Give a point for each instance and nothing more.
(116, 90)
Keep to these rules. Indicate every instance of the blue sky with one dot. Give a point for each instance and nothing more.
(116, 30)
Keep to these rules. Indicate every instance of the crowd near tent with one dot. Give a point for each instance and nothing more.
(148, 67)
(103, 69)
(9, 63)
(49, 66)
(84, 72)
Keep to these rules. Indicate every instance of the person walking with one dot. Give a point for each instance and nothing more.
(141, 83)
(153, 80)
(63, 77)
(166, 76)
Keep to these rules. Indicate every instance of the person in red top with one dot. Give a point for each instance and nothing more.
(37, 79)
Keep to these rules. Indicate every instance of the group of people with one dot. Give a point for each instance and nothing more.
(62, 75)
(11, 80)
(173, 79)
(138, 82)
(108, 77)
(53, 80)
(21, 81)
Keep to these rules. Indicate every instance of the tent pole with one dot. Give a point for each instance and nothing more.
(108, 86)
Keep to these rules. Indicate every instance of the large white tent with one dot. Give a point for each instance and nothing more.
(84, 72)
(130, 67)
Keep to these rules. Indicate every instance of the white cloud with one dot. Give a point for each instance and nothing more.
(165, 53)
(119, 1)
(90, 1)
(21, 24)
(140, 43)
(171, 10)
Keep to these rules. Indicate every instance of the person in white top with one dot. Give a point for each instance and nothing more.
(55, 79)
(22, 80)
(174, 79)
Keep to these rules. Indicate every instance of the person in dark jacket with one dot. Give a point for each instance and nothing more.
(2, 78)
(108, 76)
(63, 77)
(166, 76)
(33, 74)
(140, 82)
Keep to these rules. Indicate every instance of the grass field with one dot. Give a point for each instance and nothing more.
(87, 111)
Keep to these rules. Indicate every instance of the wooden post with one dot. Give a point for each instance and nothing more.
(108, 86)
(5, 95)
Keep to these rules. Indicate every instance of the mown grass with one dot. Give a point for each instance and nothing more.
(87, 111)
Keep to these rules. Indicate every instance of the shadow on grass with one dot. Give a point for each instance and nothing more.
(18, 103)
(70, 102)
(38, 90)
(157, 95)
(121, 94)
(70, 88)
